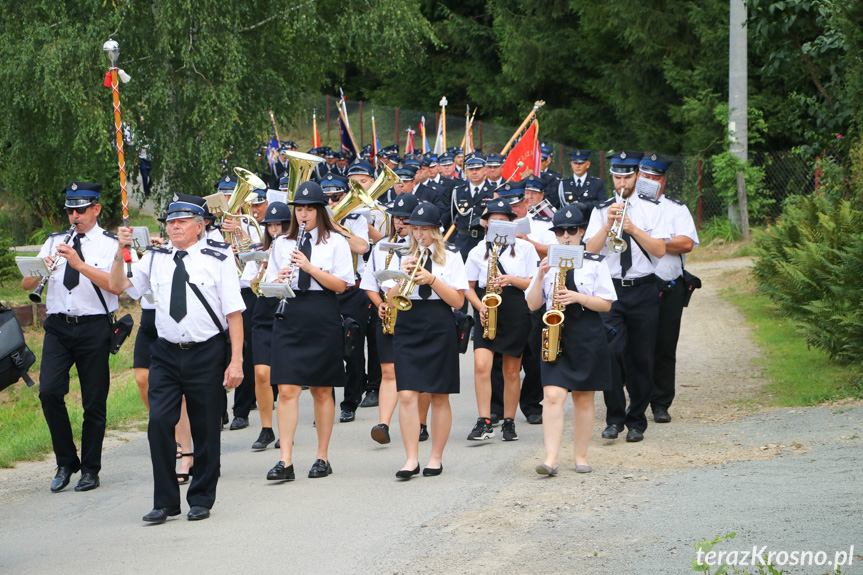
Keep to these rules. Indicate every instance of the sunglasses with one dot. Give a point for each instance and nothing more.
(335, 197)
(80, 211)
(572, 230)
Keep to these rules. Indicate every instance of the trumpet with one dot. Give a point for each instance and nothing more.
(36, 296)
(615, 243)
(402, 300)
(280, 309)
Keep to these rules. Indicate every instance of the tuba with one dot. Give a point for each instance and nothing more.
(357, 196)
(492, 298)
(553, 320)
(239, 208)
(301, 167)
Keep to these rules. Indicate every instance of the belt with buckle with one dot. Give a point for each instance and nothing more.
(650, 279)
(81, 318)
(472, 232)
(183, 344)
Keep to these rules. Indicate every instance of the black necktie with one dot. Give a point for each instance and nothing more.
(569, 282)
(626, 256)
(426, 290)
(304, 282)
(73, 276)
(177, 309)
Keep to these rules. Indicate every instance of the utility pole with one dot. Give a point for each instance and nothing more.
(738, 105)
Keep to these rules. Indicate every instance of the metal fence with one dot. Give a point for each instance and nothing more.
(690, 178)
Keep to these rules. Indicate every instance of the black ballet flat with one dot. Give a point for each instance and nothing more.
(432, 471)
(408, 473)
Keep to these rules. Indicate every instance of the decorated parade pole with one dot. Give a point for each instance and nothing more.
(112, 50)
(443, 103)
(536, 106)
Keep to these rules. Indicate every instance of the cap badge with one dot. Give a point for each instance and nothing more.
(568, 214)
(578, 152)
(622, 155)
(653, 157)
(74, 186)
(420, 212)
(500, 204)
(227, 178)
(401, 202)
(329, 176)
(305, 192)
(273, 211)
(175, 198)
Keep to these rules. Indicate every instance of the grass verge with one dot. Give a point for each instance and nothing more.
(24, 434)
(798, 375)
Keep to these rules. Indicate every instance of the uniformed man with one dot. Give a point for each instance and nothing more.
(636, 311)
(684, 238)
(341, 167)
(430, 191)
(581, 191)
(281, 167)
(549, 177)
(325, 167)
(197, 296)
(458, 156)
(353, 302)
(80, 306)
(494, 169)
(540, 234)
(468, 202)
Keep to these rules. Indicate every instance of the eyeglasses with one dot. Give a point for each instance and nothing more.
(401, 218)
(571, 230)
(80, 211)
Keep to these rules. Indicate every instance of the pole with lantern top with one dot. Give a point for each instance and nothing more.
(112, 50)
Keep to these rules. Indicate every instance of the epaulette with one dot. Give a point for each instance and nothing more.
(157, 249)
(651, 200)
(674, 200)
(542, 218)
(218, 255)
(214, 244)
(111, 235)
(606, 203)
(594, 257)
(451, 247)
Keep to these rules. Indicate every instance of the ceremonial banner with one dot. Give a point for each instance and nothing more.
(523, 160)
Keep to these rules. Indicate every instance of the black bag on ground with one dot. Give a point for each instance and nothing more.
(15, 357)
(463, 325)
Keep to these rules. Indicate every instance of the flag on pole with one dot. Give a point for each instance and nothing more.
(272, 151)
(440, 140)
(346, 139)
(316, 137)
(409, 145)
(423, 137)
(523, 159)
(376, 144)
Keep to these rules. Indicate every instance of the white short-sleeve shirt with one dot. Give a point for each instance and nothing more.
(332, 256)
(522, 264)
(592, 279)
(680, 220)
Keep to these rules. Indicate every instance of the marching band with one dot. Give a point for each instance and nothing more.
(342, 258)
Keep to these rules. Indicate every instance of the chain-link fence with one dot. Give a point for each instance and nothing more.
(690, 179)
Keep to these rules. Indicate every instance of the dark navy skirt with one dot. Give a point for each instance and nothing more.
(147, 336)
(425, 348)
(584, 363)
(513, 324)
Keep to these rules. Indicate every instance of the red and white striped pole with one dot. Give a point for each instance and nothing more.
(112, 49)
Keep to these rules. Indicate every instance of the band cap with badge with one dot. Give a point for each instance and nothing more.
(625, 162)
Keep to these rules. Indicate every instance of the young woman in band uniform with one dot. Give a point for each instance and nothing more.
(584, 364)
(425, 343)
(307, 348)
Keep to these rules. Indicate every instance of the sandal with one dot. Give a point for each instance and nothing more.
(183, 478)
(179, 450)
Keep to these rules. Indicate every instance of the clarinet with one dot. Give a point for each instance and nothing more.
(36, 296)
(280, 310)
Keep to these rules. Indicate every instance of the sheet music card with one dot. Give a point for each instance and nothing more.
(216, 203)
(277, 196)
(32, 267)
(276, 289)
(500, 232)
(570, 257)
(647, 188)
(140, 238)
(522, 226)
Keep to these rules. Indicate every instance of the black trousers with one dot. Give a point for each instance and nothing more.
(355, 304)
(146, 181)
(530, 400)
(372, 380)
(634, 315)
(244, 395)
(197, 373)
(84, 345)
(668, 332)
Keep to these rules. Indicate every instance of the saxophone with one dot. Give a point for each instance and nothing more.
(553, 320)
(492, 299)
(388, 323)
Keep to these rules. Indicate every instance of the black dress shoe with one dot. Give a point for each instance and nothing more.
(160, 514)
(661, 415)
(320, 468)
(196, 513)
(371, 399)
(408, 473)
(347, 416)
(264, 439)
(281, 473)
(239, 423)
(611, 432)
(634, 435)
(534, 418)
(87, 482)
(432, 471)
(64, 475)
(424, 432)
(381, 433)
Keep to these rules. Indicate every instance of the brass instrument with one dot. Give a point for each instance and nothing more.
(280, 309)
(36, 296)
(553, 320)
(388, 323)
(402, 300)
(300, 170)
(492, 298)
(239, 208)
(615, 243)
(358, 196)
